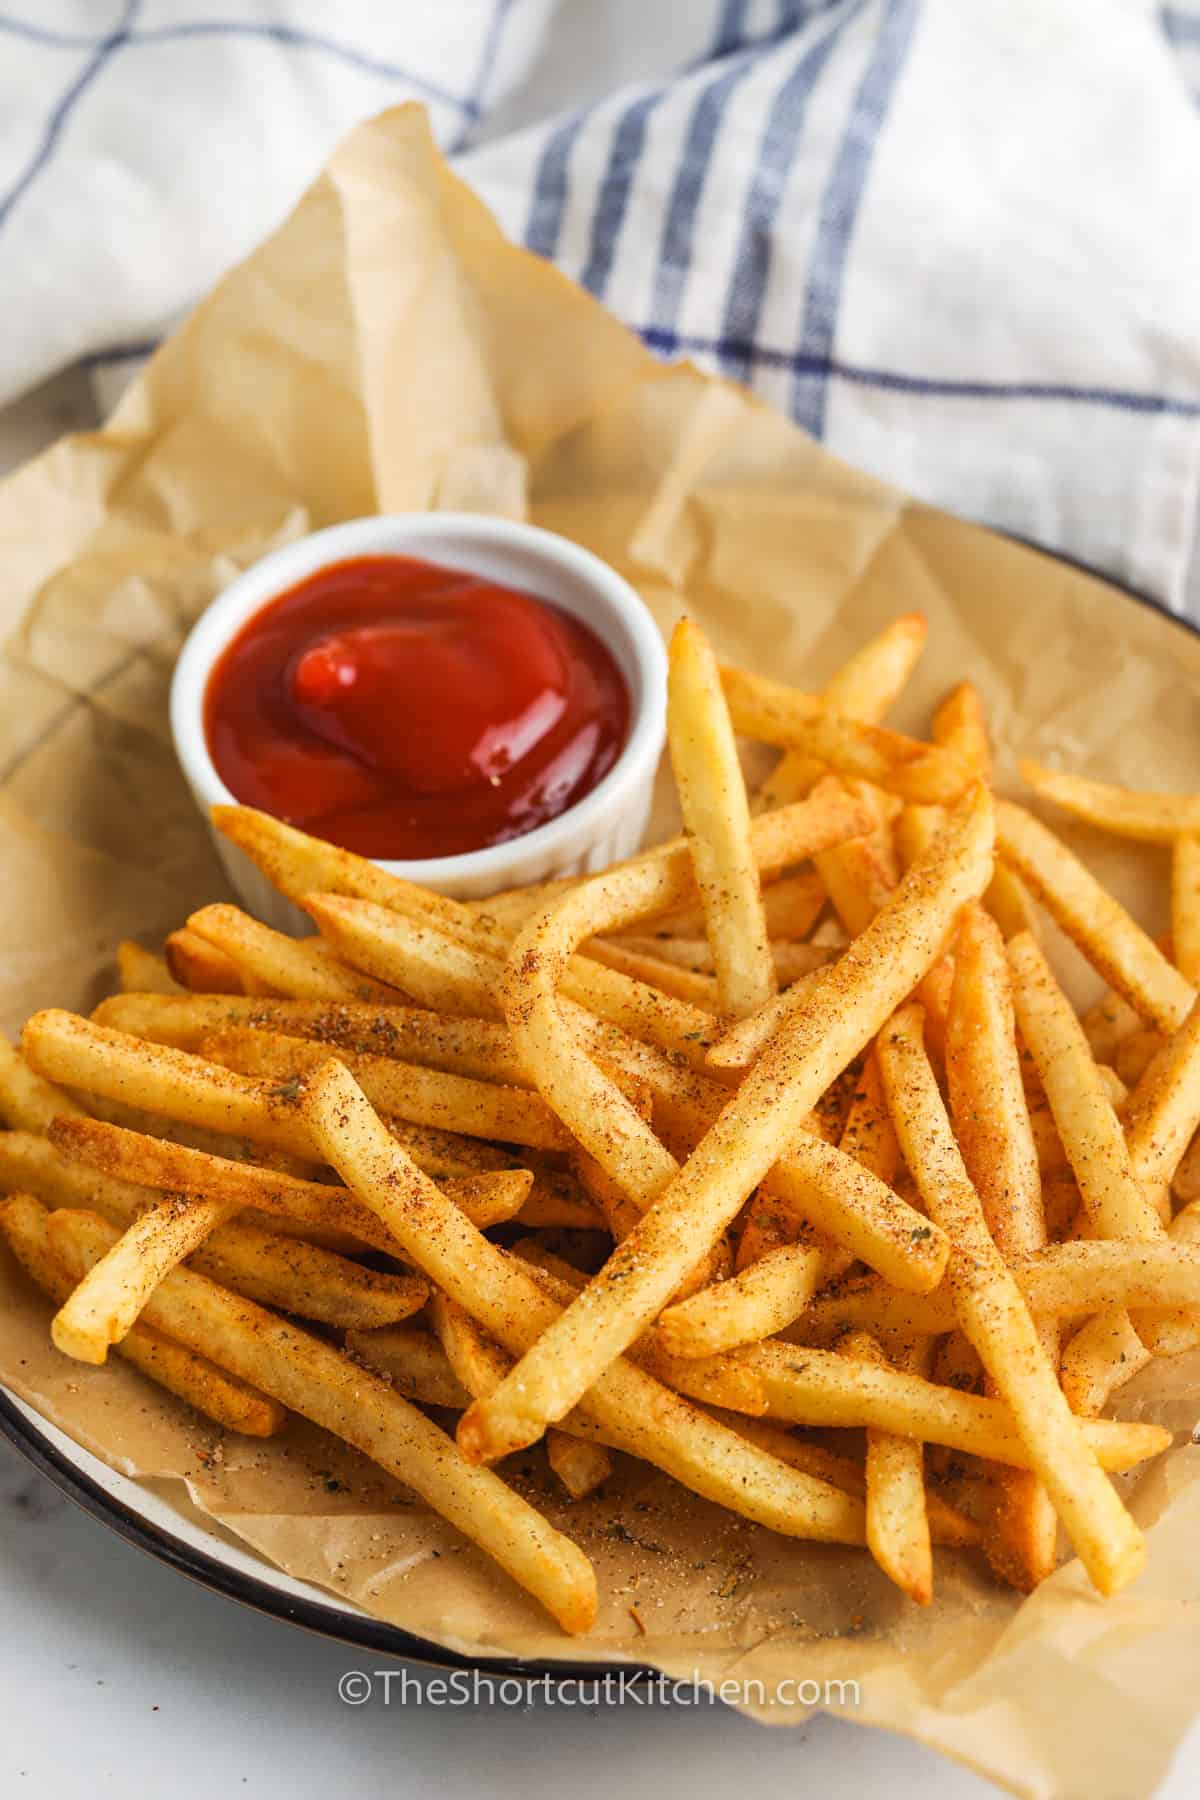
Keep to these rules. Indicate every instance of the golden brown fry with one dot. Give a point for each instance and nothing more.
(229, 1403)
(791, 906)
(1149, 818)
(991, 1121)
(1106, 1352)
(633, 1411)
(898, 1534)
(142, 972)
(756, 1303)
(757, 1125)
(774, 714)
(317, 1381)
(820, 1387)
(201, 967)
(158, 1079)
(302, 971)
(863, 688)
(687, 953)
(1089, 1128)
(716, 816)
(1107, 1024)
(960, 725)
(993, 1314)
(462, 1046)
(27, 1101)
(1113, 943)
(148, 1162)
(641, 963)
(413, 1361)
(1134, 1055)
(404, 1090)
(1185, 906)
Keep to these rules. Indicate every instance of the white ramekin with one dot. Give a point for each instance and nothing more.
(605, 825)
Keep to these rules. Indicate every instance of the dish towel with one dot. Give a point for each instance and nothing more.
(957, 240)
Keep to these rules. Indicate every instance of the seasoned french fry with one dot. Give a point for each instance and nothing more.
(413, 1361)
(1090, 1131)
(820, 1387)
(288, 967)
(791, 907)
(634, 1412)
(960, 726)
(1104, 1353)
(317, 1381)
(462, 1046)
(758, 1302)
(180, 1086)
(1185, 906)
(898, 1534)
(641, 963)
(1134, 1055)
(27, 1101)
(1149, 818)
(993, 1314)
(863, 688)
(791, 960)
(716, 815)
(402, 1089)
(132, 1157)
(1107, 1024)
(101, 1310)
(581, 1462)
(1113, 943)
(140, 971)
(774, 714)
(991, 1120)
(229, 1403)
(202, 968)
(764, 1117)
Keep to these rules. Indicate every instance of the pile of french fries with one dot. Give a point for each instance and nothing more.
(776, 1156)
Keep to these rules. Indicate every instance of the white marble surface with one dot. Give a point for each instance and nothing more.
(123, 1678)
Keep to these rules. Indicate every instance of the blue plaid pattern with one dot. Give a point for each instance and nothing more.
(714, 204)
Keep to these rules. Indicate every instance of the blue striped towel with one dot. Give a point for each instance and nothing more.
(957, 240)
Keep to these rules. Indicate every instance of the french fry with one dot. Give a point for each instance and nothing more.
(758, 1302)
(863, 688)
(306, 1280)
(402, 1089)
(1107, 1024)
(180, 1086)
(461, 1046)
(581, 1463)
(898, 1535)
(993, 1314)
(229, 1403)
(317, 1381)
(286, 966)
(140, 971)
(774, 714)
(791, 960)
(820, 1387)
(1090, 1131)
(791, 906)
(201, 967)
(148, 1162)
(960, 726)
(634, 1412)
(1134, 1055)
(640, 963)
(716, 815)
(991, 1121)
(1149, 818)
(27, 1101)
(1104, 1353)
(763, 1118)
(413, 1361)
(1113, 943)
(1185, 906)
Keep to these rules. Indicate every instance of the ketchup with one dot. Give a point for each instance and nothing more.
(408, 711)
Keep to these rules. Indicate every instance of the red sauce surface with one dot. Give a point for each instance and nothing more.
(404, 710)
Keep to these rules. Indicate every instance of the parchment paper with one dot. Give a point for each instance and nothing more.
(387, 349)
